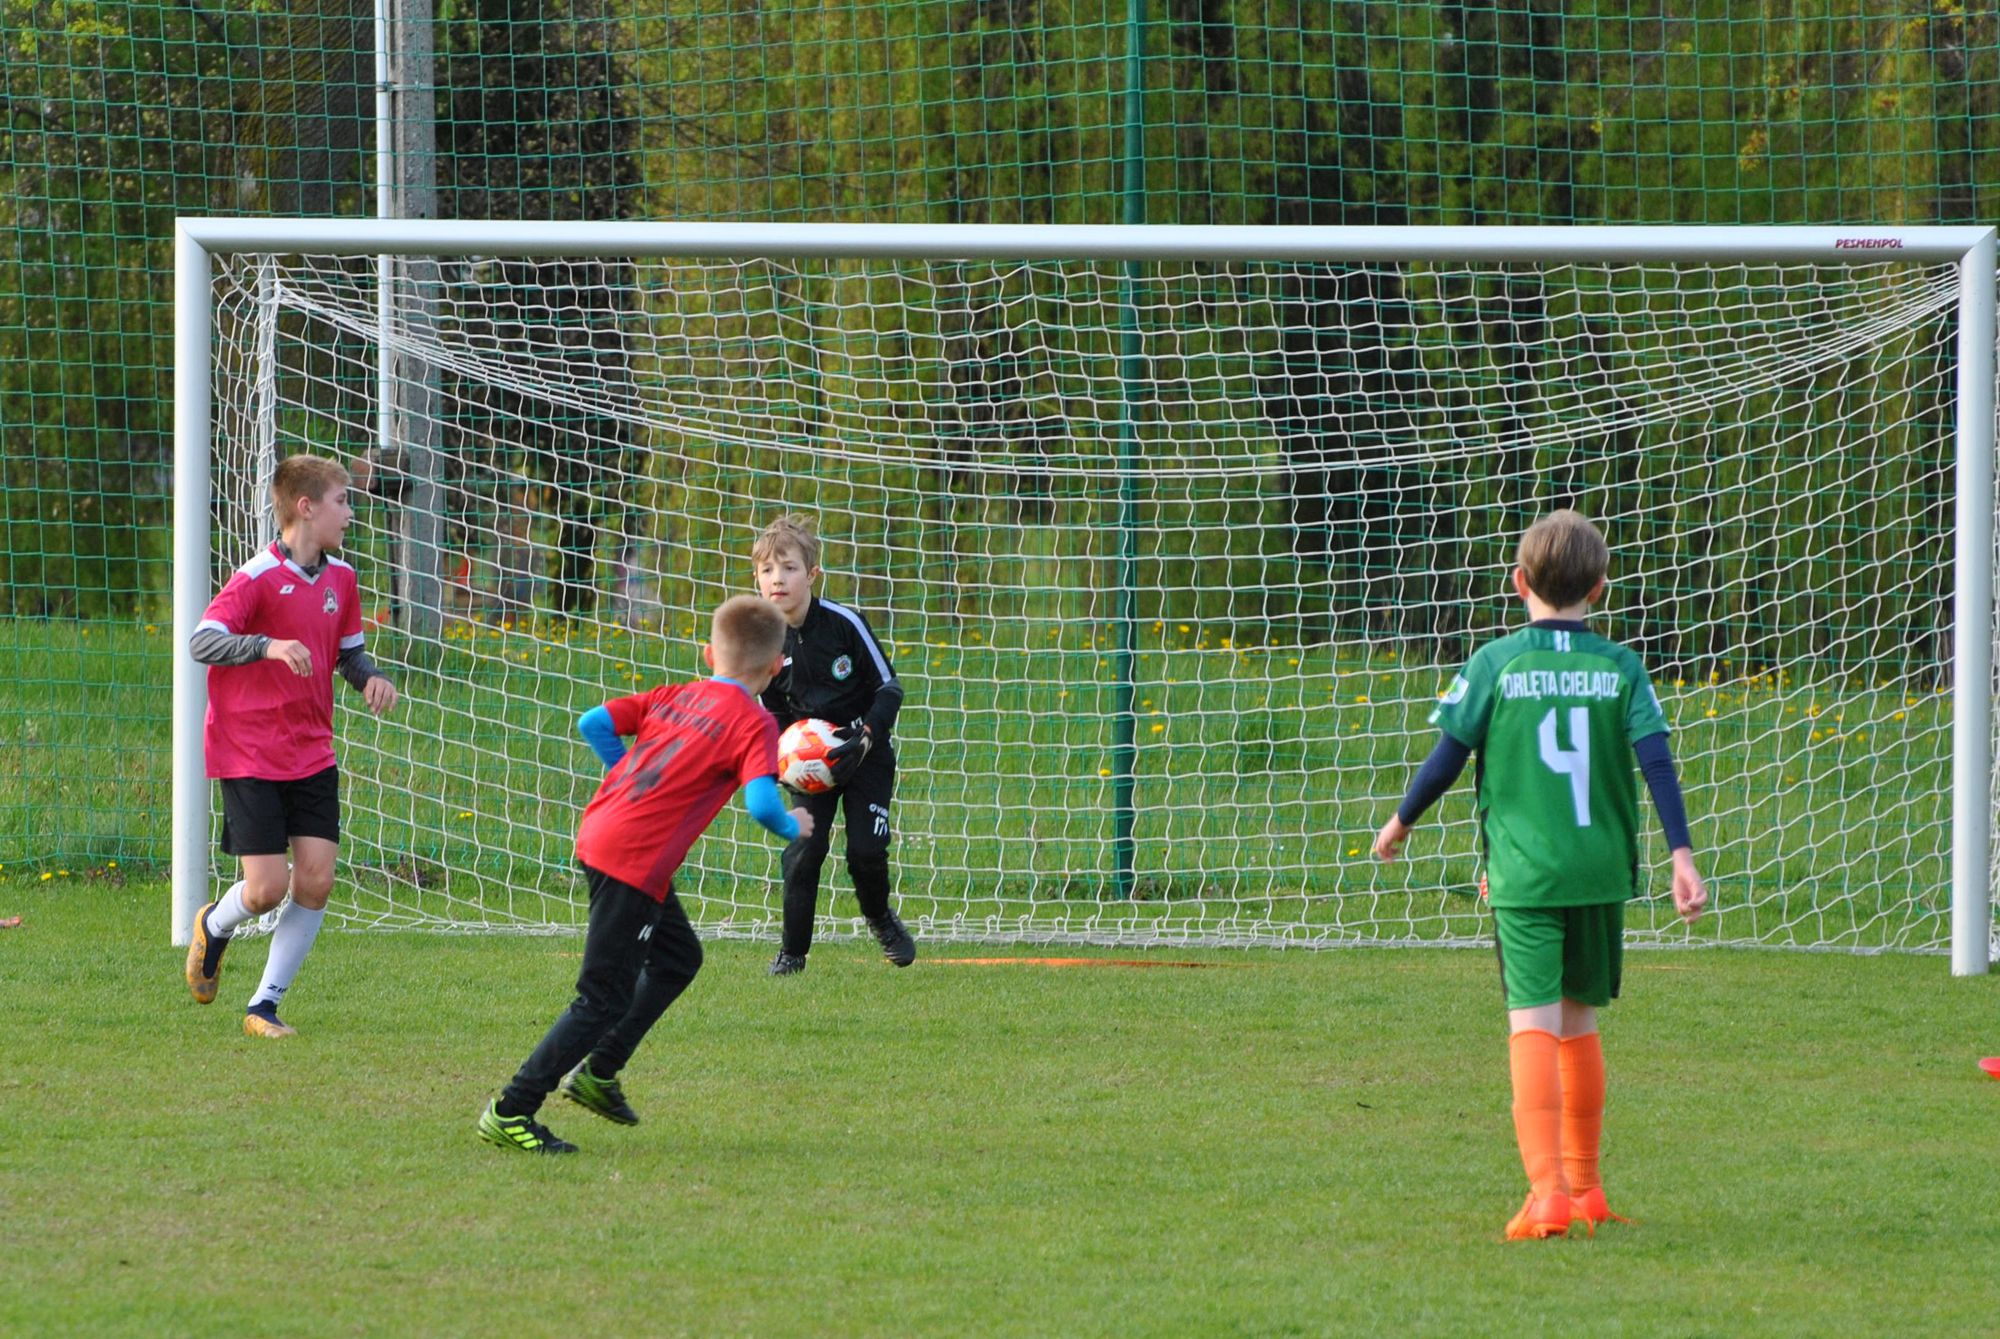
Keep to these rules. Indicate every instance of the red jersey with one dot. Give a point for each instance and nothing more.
(263, 720)
(697, 742)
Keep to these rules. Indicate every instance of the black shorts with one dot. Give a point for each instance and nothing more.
(261, 817)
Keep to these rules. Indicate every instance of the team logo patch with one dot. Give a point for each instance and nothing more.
(287, 588)
(843, 667)
(1456, 693)
(331, 604)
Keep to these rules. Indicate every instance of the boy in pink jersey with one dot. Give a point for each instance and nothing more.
(273, 639)
(695, 744)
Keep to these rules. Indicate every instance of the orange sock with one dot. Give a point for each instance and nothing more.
(1538, 1109)
(1583, 1109)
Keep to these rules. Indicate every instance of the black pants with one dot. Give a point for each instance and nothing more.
(638, 956)
(865, 800)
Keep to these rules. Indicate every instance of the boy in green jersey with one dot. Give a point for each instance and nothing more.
(1552, 710)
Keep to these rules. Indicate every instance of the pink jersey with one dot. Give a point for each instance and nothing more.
(263, 720)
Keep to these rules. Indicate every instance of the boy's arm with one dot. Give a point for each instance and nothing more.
(767, 806)
(356, 667)
(601, 733)
(1432, 780)
(1656, 763)
(213, 645)
(881, 715)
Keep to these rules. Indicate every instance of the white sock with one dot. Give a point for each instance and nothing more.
(297, 928)
(229, 912)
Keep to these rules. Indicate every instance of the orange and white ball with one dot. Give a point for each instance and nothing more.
(802, 751)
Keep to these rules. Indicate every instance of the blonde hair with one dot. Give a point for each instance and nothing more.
(747, 634)
(304, 477)
(1563, 556)
(794, 531)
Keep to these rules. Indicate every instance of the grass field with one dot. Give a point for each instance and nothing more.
(1286, 1143)
(1819, 799)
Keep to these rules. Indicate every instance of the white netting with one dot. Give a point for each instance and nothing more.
(1249, 517)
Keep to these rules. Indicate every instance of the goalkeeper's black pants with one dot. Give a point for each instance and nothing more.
(638, 956)
(865, 802)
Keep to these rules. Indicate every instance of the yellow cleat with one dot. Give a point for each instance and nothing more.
(1591, 1208)
(202, 987)
(266, 1025)
(1540, 1218)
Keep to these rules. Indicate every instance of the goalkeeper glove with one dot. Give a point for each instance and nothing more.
(844, 758)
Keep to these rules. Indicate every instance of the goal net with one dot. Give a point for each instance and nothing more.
(1173, 558)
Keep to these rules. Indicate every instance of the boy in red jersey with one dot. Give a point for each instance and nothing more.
(283, 625)
(696, 743)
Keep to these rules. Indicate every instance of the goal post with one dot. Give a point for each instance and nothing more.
(1175, 528)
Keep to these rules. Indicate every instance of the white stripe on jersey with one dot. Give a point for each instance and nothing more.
(882, 670)
(257, 566)
(349, 643)
(213, 625)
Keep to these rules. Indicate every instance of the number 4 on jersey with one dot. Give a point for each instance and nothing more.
(1573, 762)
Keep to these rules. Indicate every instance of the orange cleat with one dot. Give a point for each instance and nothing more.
(1591, 1208)
(201, 980)
(1539, 1218)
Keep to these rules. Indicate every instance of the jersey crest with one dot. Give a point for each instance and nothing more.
(331, 603)
(843, 667)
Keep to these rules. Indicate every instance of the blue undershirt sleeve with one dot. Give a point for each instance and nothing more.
(1656, 764)
(767, 806)
(1434, 778)
(597, 730)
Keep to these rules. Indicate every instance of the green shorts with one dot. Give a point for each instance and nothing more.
(1560, 953)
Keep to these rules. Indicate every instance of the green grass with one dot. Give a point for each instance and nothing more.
(1819, 800)
(1290, 1143)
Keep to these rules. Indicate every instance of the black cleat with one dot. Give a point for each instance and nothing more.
(787, 964)
(897, 945)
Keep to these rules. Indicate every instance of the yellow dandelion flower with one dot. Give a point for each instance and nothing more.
(1158, 728)
(112, 865)
(46, 876)
(1104, 771)
(152, 627)
(1184, 627)
(1363, 697)
(465, 813)
(1711, 711)
(63, 872)
(1354, 850)
(1898, 716)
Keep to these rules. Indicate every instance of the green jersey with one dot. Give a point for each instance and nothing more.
(1554, 711)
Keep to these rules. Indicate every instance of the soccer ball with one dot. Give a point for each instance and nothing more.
(802, 751)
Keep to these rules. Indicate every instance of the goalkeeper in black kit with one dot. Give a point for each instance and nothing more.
(835, 670)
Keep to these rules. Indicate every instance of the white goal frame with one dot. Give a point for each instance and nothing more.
(198, 241)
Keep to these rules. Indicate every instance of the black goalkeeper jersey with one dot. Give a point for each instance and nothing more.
(835, 670)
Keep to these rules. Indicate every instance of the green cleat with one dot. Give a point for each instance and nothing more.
(602, 1096)
(522, 1133)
